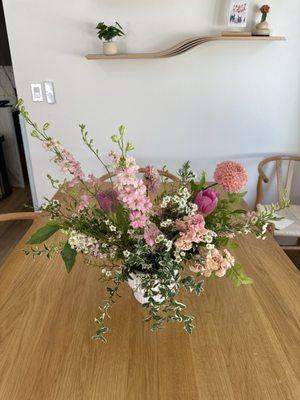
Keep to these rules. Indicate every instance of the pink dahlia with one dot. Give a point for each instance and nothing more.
(231, 175)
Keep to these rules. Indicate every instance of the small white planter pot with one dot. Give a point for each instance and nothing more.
(110, 48)
(262, 29)
(136, 285)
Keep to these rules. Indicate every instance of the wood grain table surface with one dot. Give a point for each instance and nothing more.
(245, 345)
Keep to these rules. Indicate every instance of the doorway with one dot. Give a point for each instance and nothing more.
(15, 194)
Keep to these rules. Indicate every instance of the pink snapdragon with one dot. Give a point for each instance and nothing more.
(231, 175)
(192, 230)
(133, 193)
(65, 160)
(93, 180)
(150, 234)
(152, 179)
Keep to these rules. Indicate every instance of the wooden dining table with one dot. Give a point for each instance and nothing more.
(245, 344)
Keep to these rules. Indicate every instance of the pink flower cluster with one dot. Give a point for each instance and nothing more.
(150, 234)
(65, 160)
(84, 202)
(93, 180)
(231, 175)
(192, 230)
(215, 261)
(132, 193)
(152, 179)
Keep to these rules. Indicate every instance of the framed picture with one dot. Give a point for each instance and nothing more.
(238, 13)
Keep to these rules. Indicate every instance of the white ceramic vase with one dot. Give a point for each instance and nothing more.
(110, 48)
(262, 29)
(136, 285)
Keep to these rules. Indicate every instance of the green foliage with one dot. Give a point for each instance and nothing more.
(125, 148)
(196, 187)
(191, 285)
(108, 302)
(236, 197)
(185, 173)
(109, 32)
(238, 277)
(68, 255)
(44, 233)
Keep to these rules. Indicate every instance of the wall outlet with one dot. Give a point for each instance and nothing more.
(49, 91)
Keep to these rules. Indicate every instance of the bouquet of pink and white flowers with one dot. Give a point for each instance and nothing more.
(157, 236)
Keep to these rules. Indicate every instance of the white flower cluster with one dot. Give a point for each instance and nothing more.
(179, 255)
(111, 226)
(191, 209)
(166, 223)
(165, 201)
(208, 239)
(126, 253)
(51, 207)
(106, 272)
(163, 240)
(181, 199)
(85, 244)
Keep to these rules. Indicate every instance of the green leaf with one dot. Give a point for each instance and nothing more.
(44, 233)
(238, 277)
(236, 197)
(202, 180)
(232, 245)
(122, 130)
(68, 255)
(115, 138)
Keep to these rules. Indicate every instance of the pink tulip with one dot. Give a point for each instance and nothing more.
(108, 200)
(207, 201)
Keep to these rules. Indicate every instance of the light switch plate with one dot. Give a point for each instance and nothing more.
(36, 92)
(49, 91)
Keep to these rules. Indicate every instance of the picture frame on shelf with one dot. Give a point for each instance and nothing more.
(238, 13)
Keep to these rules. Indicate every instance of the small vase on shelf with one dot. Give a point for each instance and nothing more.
(262, 28)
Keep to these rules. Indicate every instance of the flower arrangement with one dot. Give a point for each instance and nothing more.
(159, 237)
(265, 11)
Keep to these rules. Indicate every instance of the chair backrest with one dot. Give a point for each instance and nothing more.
(166, 174)
(284, 178)
(19, 216)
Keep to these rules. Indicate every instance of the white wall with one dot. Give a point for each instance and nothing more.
(221, 100)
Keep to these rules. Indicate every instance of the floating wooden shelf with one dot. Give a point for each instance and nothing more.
(182, 47)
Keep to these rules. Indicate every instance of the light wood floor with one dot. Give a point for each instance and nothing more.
(12, 232)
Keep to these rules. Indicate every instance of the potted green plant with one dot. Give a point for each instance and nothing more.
(262, 28)
(107, 34)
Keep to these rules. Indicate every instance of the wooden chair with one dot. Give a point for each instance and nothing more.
(289, 226)
(19, 216)
(166, 174)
